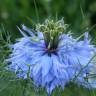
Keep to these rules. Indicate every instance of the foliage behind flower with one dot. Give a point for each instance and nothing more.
(51, 57)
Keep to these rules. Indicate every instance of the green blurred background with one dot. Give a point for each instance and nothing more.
(80, 14)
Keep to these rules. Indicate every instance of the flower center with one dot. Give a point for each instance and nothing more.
(51, 31)
(50, 51)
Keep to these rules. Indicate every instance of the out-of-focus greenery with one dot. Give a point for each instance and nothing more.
(80, 14)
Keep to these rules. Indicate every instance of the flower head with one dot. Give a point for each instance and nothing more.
(50, 57)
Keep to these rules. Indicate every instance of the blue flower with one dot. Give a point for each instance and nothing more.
(49, 66)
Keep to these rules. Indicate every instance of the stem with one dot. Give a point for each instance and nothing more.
(83, 68)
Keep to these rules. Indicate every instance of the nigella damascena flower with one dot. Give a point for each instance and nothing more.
(50, 56)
